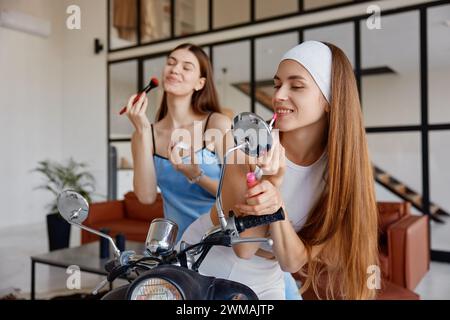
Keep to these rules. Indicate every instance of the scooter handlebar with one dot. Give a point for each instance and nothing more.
(247, 222)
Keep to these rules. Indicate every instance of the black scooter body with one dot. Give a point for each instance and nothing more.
(192, 285)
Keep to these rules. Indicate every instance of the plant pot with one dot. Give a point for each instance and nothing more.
(58, 231)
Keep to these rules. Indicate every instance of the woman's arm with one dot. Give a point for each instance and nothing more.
(288, 247)
(236, 193)
(144, 175)
(208, 184)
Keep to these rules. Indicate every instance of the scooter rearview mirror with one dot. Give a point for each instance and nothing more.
(72, 206)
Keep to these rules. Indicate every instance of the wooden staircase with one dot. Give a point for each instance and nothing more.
(407, 194)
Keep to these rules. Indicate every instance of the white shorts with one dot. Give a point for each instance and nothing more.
(263, 276)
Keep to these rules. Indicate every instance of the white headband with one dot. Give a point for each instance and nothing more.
(316, 57)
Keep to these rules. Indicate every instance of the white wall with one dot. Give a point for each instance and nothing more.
(391, 100)
(439, 95)
(53, 103)
(31, 111)
(84, 91)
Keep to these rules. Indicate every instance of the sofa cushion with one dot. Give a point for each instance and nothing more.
(144, 212)
(105, 211)
(390, 212)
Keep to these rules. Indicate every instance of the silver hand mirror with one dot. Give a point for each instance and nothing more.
(253, 136)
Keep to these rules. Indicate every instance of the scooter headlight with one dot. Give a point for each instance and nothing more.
(155, 289)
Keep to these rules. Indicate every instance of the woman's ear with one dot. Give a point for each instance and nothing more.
(201, 84)
(327, 107)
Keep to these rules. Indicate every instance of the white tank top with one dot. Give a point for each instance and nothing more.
(300, 189)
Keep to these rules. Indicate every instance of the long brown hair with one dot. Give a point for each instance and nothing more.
(204, 100)
(345, 219)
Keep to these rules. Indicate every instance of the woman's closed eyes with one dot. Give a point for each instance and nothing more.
(296, 86)
(187, 66)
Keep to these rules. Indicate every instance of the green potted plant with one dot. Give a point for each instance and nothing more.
(59, 177)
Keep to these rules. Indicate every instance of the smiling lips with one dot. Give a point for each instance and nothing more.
(172, 79)
(281, 111)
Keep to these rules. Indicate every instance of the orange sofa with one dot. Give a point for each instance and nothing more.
(403, 244)
(127, 216)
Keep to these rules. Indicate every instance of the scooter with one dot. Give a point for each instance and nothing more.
(163, 273)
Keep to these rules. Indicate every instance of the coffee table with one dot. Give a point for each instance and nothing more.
(86, 257)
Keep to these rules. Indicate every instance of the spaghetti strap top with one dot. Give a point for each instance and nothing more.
(184, 202)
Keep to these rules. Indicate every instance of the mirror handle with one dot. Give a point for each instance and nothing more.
(101, 234)
(219, 207)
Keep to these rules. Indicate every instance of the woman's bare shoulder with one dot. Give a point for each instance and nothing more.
(219, 121)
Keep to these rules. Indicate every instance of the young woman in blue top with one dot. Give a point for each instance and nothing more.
(189, 106)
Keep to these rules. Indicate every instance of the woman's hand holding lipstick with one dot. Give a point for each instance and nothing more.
(262, 198)
(273, 163)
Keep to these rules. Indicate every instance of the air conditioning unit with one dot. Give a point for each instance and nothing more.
(20, 21)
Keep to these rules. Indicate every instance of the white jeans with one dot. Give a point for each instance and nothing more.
(263, 276)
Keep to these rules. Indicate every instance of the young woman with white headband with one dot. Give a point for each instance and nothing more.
(320, 173)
